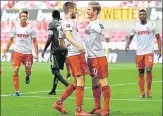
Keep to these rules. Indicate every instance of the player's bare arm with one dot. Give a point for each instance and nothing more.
(36, 47)
(159, 44)
(47, 44)
(128, 42)
(72, 40)
(106, 36)
(8, 46)
(62, 43)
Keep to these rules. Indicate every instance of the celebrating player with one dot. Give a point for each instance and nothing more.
(75, 58)
(144, 32)
(58, 54)
(24, 35)
(97, 62)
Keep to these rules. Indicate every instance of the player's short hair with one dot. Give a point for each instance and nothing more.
(96, 6)
(56, 14)
(24, 11)
(67, 6)
(142, 10)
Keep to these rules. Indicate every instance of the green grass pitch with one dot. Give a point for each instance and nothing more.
(34, 100)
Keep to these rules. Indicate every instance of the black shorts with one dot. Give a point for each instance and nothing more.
(57, 60)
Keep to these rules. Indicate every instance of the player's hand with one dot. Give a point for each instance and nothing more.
(107, 39)
(43, 54)
(81, 49)
(36, 57)
(159, 54)
(126, 48)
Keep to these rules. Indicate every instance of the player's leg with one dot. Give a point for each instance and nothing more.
(100, 71)
(106, 95)
(149, 64)
(55, 83)
(80, 69)
(28, 61)
(141, 67)
(96, 88)
(68, 70)
(58, 105)
(16, 62)
(55, 69)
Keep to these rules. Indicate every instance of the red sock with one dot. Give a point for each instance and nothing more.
(79, 98)
(149, 81)
(69, 90)
(141, 83)
(97, 96)
(16, 82)
(106, 94)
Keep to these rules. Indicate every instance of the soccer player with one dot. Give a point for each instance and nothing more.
(58, 54)
(97, 61)
(144, 32)
(75, 58)
(24, 35)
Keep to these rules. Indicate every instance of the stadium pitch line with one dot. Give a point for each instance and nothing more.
(6, 95)
(87, 98)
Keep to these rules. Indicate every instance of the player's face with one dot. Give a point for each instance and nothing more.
(23, 17)
(90, 12)
(143, 16)
(74, 12)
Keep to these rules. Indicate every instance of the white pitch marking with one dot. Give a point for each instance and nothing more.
(87, 98)
(64, 89)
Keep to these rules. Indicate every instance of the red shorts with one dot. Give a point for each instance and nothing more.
(144, 60)
(78, 65)
(18, 58)
(98, 67)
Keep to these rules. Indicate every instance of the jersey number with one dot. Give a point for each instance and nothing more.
(94, 71)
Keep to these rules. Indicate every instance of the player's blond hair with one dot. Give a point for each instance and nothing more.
(96, 6)
(67, 6)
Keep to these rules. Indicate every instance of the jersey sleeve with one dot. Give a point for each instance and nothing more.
(68, 25)
(133, 32)
(50, 29)
(99, 27)
(33, 33)
(155, 30)
(13, 32)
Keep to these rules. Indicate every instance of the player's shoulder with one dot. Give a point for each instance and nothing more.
(98, 21)
(151, 23)
(136, 24)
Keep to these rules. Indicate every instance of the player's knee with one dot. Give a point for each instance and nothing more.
(16, 70)
(54, 71)
(80, 81)
(141, 71)
(28, 73)
(103, 82)
(148, 69)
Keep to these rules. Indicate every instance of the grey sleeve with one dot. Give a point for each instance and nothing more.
(50, 28)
